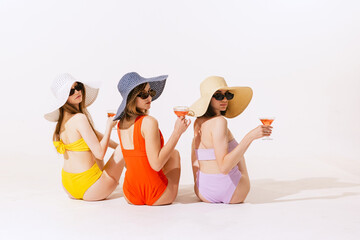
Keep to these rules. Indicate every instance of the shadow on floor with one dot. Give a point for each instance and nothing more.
(186, 195)
(272, 191)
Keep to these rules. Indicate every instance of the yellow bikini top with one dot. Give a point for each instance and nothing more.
(77, 146)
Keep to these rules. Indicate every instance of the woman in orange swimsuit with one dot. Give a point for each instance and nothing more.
(84, 175)
(153, 169)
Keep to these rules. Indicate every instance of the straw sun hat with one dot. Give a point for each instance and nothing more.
(131, 80)
(242, 97)
(61, 88)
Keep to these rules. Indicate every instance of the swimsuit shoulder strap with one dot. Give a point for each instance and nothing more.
(139, 141)
(119, 135)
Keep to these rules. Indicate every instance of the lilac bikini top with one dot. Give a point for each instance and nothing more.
(209, 153)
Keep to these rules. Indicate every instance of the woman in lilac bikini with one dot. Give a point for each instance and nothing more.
(218, 162)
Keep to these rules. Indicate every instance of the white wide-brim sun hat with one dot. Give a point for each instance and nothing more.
(242, 97)
(61, 87)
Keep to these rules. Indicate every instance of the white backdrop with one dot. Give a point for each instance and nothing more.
(302, 59)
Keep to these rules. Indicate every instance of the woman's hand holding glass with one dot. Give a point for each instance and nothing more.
(110, 115)
(181, 124)
(261, 131)
(267, 121)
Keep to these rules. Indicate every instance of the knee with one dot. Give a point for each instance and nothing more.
(240, 199)
(176, 154)
(245, 194)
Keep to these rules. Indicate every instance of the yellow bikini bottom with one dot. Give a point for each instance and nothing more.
(78, 183)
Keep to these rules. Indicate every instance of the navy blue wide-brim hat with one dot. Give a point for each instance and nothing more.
(131, 80)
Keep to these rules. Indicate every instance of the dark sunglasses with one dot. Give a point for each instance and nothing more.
(78, 87)
(219, 96)
(145, 95)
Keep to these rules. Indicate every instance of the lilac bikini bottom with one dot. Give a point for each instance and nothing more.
(218, 188)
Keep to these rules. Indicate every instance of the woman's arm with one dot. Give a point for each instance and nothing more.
(86, 132)
(159, 156)
(112, 144)
(226, 161)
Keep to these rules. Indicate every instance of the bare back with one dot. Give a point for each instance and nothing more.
(74, 162)
(127, 133)
(203, 129)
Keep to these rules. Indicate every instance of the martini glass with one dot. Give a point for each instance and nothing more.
(181, 111)
(267, 121)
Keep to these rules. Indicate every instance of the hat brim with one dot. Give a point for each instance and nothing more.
(91, 90)
(156, 83)
(242, 98)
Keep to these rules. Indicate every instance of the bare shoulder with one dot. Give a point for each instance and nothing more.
(72, 126)
(79, 118)
(149, 122)
(218, 121)
(219, 128)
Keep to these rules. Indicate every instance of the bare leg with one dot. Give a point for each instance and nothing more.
(243, 187)
(100, 164)
(115, 165)
(172, 172)
(109, 180)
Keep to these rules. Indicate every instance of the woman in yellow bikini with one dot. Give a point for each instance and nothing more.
(83, 175)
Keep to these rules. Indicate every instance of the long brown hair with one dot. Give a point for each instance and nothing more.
(67, 107)
(211, 113)
(130, 109)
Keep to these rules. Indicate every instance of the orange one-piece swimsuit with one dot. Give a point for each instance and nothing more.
(142, 184)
